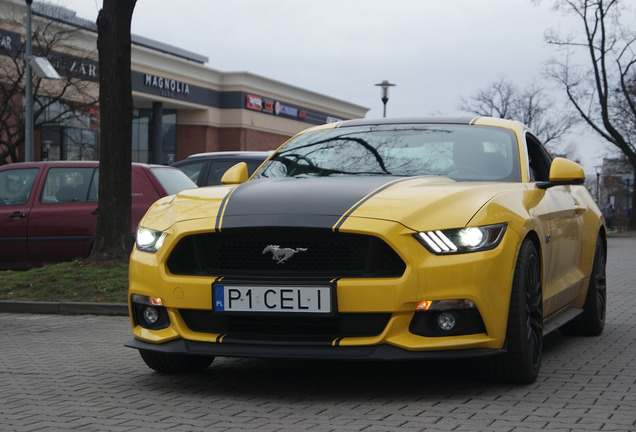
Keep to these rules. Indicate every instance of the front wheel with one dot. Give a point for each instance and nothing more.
(175, 363)
(524, 334)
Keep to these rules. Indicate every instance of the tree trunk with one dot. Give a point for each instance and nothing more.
(113, 239)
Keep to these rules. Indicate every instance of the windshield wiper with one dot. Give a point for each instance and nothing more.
(360, 141)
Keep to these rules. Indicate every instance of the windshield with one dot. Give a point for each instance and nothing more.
(460, 152)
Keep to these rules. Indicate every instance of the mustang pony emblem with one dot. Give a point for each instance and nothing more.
(282, 255)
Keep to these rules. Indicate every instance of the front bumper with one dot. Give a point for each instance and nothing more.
(484, 278)
(375, 352)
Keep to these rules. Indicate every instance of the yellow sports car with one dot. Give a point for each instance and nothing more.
(375, 239)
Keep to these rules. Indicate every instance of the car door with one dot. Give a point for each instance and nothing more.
(562, 215)
(63, 218)
(17, 187)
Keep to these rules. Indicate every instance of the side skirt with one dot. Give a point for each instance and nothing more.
(561, 319)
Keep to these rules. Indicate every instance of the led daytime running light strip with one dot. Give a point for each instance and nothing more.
(437, 241)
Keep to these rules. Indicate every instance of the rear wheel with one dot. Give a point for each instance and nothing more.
(175, 363)
(524, 334)
(592, 321)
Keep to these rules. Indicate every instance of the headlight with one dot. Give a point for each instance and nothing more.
(149, 240)
(462, 240)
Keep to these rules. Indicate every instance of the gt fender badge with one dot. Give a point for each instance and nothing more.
(280, 255)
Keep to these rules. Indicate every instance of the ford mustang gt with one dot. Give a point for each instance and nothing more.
(381, 239)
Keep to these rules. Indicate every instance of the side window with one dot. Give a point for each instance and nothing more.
(192, 170)
(67, 184)
(16, 185)
(539, 159)
(252, 166)
(217, 169)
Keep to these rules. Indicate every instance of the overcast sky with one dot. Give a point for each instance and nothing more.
(435, 51)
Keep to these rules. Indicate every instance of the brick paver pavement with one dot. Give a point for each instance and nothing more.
(73, 373)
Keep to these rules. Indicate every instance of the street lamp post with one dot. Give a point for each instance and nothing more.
(43, 69)
(385, 93)
(28, 121)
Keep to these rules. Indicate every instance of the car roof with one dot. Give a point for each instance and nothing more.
(460, 120)
(49, 163)
(83, 163)
(475, 120)
(408, 120)
(231, 154)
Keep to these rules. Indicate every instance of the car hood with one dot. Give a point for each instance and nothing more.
(418, 203)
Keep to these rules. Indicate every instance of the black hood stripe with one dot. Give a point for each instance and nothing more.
(324, 202)
(219, 215)
(365, 199)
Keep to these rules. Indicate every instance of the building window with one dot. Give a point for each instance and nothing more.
(142, 133)
(169, 136)
(68, 143)
(62, 114)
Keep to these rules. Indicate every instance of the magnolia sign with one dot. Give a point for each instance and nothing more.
(167, 86)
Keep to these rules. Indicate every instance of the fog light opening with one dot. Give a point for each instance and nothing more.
(446, 321)
(426, 305)
(423, 305)
(146, 300)
(150, 315)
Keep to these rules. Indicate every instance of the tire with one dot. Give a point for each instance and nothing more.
(175, 363)
(592, 321)
(524, 334)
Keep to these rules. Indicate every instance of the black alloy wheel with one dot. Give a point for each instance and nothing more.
(524, 335)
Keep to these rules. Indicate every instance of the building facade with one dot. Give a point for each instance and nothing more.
(181, 106)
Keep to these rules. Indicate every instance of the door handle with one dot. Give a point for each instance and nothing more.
(17, 215)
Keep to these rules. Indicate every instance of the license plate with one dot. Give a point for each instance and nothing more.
(246, 298)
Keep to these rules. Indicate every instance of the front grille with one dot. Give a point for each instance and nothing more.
(320, 254)
(277, 327)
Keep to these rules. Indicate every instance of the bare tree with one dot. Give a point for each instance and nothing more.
(602, 89)
(530, 105)
(113, 239)
(72, 96)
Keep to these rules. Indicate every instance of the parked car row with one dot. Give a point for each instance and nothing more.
(48, 210)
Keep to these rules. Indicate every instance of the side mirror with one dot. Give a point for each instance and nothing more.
(564, 172)
(237, 174)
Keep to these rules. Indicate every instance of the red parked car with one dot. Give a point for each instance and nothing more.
(48, 210)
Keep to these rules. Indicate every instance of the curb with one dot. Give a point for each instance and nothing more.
(51, 308)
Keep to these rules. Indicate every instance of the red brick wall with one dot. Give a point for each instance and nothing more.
(196, 139)
(199, 139)
(246, 139)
